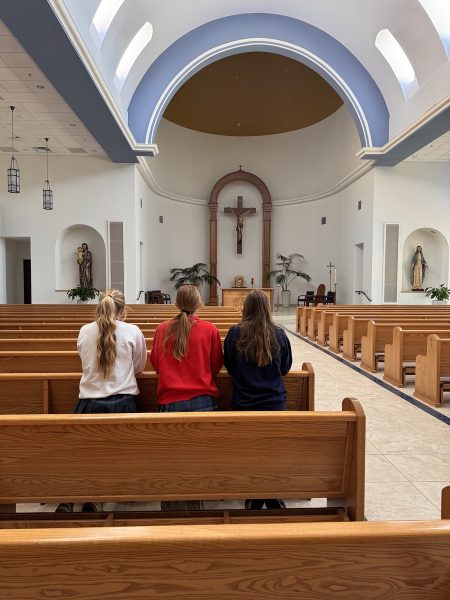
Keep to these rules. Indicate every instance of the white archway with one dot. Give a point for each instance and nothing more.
(436, 252)
(65, 260)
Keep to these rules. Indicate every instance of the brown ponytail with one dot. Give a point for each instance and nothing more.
(111, 304)
(188, 301)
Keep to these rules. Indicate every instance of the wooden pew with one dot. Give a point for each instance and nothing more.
(54, 393)
(406, 345)
(358, 326)
(380, 333)
(392, 560)
(340, 322)
(186, 456)
(433, 372)
(62, 344)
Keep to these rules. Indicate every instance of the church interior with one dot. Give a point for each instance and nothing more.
(298, 148)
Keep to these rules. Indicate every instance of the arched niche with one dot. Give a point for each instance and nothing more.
(67, 242)
(251, 178)
(436, 252)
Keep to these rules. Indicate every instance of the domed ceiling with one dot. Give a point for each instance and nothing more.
(252, 94)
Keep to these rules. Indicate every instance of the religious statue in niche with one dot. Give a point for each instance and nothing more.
(418, 268)
(84, 260)
(240, 211)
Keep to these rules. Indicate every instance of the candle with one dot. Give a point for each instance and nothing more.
(335, 276)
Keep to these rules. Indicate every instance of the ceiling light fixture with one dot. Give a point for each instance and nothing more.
(13, 173)
(47, 194)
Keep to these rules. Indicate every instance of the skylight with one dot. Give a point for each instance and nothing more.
(439, 13)
(398, 61)
(104, 15)
(135, 47)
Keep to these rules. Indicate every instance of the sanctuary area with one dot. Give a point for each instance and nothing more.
(228, 224)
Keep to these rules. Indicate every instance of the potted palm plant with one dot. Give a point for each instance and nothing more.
(198, 274)
(83, 293)
(438, 295)
(289, 269)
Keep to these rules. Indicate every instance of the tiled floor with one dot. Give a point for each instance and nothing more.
(408, 450)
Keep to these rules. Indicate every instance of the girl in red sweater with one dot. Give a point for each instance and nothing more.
(187, 353)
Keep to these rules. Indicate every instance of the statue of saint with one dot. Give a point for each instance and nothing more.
(418, 268)
(84, 260)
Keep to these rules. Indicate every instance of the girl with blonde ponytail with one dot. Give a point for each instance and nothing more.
(111, 353)
(187, 353)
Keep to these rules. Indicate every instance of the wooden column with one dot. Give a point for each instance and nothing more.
(213, 299)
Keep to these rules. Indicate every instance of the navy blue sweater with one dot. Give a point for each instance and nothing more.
(257, 388)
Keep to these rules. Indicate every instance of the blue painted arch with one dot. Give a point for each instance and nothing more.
(265, 33)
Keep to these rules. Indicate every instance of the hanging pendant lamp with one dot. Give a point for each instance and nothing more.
(47, 194)
(13, 173)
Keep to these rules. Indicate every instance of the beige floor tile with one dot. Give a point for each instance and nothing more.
(421, 467)
(398, 502)
(379, 469)
(432, 490)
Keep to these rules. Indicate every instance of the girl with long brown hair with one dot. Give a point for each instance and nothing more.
(257, 355)
(187, 353)
(111, 353)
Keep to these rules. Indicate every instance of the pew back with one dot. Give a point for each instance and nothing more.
(56, 393)
(183, 456)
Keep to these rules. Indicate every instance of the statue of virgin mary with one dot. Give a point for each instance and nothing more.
(418, 268)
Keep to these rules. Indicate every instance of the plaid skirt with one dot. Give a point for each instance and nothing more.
(117, 403)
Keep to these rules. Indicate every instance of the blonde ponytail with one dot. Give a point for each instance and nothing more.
(111, 304)
(188, 301)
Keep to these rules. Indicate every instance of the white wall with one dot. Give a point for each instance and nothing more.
(415, 195)
(88, 191)
(355, 228)
(180, 241)
(295, 164)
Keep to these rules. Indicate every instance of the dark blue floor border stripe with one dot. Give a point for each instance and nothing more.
(428, 409)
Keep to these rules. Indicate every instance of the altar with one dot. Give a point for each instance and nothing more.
(236, 296)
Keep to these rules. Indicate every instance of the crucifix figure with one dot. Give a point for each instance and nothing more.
(240, 212)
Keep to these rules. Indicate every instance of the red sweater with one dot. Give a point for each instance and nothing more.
(193, 375)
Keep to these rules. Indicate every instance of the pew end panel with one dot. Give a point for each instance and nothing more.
(445, 503)
(430, 368)
(354, 476)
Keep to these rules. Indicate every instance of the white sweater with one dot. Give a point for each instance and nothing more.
(131, 357)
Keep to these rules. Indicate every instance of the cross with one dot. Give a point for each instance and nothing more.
(240, 212)
(330, 266)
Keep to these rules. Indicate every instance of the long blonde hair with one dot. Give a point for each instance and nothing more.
(257, 338)
(188, 301)
(111, 304)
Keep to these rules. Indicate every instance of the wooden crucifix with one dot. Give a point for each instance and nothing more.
(240, 211)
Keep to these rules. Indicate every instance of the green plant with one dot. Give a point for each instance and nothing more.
(438, 293)
(288, 270)
(83, 293)
(198, 274)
